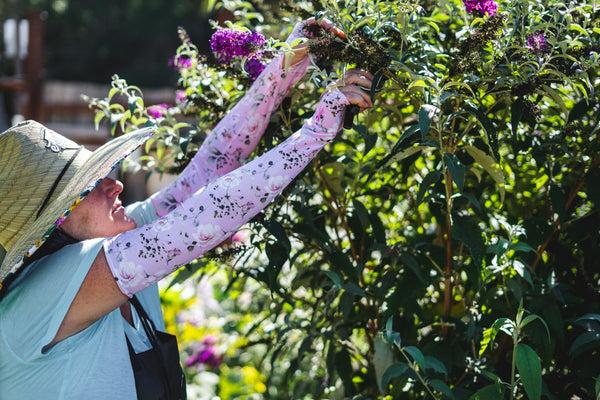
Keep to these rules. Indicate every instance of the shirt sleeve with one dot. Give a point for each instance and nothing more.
(235, 136)
(33, 311)
(141, 257)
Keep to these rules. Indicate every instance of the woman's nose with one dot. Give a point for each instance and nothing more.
(113, 187)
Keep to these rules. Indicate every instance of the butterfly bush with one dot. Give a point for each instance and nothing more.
(443, 247)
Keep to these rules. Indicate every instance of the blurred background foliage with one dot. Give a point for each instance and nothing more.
(90, 40)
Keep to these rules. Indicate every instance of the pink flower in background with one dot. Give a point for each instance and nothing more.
(179, 62)
(537, 43)
(483, 6)
(180, 96)
(205, 354)
(157, 111)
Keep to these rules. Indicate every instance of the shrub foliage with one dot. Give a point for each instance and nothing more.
(448, 245)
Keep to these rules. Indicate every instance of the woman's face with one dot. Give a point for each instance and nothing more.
(100, 213)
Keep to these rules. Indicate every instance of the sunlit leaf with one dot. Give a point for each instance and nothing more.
(456, 169)
(426, 115)
(489, 164)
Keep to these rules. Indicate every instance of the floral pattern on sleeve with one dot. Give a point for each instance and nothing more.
(237, 134)
(140, 257)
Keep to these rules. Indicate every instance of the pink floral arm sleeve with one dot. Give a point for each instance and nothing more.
(237, 134)
(141, 257)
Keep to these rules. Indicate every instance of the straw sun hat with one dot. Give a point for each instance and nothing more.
(43, 176)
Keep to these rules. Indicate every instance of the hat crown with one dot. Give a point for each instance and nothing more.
(35, 165)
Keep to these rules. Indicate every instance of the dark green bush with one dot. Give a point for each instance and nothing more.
(448, 245)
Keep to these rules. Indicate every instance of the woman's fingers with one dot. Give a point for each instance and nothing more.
(356, 87)
(357, 95)
(358, 77)
(328, 26)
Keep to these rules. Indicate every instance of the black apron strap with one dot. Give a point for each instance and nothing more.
(157, 371)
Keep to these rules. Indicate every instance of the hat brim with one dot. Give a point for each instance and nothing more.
(99, 164)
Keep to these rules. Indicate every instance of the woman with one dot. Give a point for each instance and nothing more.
(67, 330)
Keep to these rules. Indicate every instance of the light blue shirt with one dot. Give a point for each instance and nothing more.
(92, 364)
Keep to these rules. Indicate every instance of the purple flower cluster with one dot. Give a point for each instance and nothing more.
(254, 67)
(483, 6)
(229, 43)
(179, 62)
(205, 354)
(157, 110)
(537, 43)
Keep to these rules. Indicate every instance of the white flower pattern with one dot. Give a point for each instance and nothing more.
(209, 202)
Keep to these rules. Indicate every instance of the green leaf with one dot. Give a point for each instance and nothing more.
(330, 358)
(441, 387)
(383, 358)
(426, 114)
(361, 212)
(131, 102)
(592, 317)
(490, 166)
(277, 255)
(392, 372)
(354, 289)
(346, 305)
(407, 134)
(98, 117)
(530, 369)
(399, 156)
(370, 141)
(376, 84)
(584, 342)
(343, 264)
(554, 95)
(489, 335)
(378, 228)
(431, 178)
(410, 261)
(333, 174)
(416, 355)
(531, 318)
(592, 186)
(276, 229)
(516, 113)
(305, 346)
(467, 230)
(335, 277)
(456, 169)
(578, 111)
(487, 125)
(491, 376)
(578, 28)
(436, 365)
(495, 391)
(343, 366)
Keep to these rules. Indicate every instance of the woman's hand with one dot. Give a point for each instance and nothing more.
(303, 30)
(356, 87)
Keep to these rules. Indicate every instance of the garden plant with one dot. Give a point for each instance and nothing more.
(446, 245)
